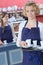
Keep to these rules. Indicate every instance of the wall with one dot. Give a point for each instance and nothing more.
(20, 3)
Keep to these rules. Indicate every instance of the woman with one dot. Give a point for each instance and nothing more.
(31, 29)
(5, 29)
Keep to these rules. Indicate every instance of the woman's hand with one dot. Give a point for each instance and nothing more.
(23, 44)
(1, 42)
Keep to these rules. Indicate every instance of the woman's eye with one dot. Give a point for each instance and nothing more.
(30, 11)
(27, 11)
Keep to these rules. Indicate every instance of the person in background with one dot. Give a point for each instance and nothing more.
(12, 18)
(5, 29)
(0, 16)
(31, 29)
(18, 17)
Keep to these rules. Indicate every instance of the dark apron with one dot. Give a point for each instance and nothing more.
(31, 57)
(33, 34)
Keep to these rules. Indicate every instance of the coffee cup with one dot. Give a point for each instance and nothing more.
(5, 42)
(28, 42)
(34, 43)
(41, 42)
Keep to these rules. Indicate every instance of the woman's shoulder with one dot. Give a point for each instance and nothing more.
(40, 24)
(0, 28)
(8, 27)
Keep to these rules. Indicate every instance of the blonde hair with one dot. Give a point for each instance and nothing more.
(35, 6)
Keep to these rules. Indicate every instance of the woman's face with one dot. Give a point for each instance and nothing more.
(5, 19)
(30, 12)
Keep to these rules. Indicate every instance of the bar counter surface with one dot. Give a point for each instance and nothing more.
(10, 54)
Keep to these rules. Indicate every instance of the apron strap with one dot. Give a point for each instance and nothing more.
(36, 23)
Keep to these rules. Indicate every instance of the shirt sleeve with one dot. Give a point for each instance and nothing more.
(41, 30)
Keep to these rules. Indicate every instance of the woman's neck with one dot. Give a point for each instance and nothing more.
(31, 21)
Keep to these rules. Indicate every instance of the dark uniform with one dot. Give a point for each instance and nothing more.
(6, 34)
(31, 57)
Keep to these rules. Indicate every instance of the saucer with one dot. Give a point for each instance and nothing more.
(28, 46)
(40, 48)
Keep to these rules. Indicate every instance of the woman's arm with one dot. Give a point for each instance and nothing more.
(19, 42)
(1, 42)
(0, 36)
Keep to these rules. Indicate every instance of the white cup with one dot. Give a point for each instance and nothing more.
(5, 42)
(28, 42)
(34, 43)
(41, 42)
